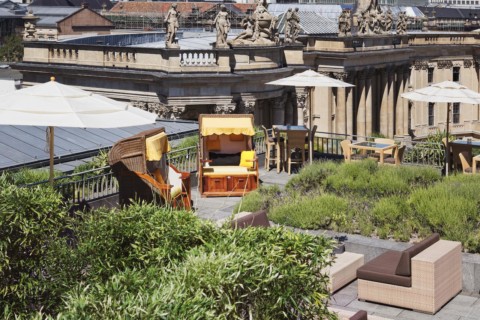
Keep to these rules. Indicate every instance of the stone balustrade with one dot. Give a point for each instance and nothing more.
(158, 59)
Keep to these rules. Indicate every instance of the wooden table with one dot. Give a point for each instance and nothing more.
(474, 163)
(373, 146)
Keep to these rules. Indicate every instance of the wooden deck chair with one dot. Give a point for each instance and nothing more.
(466, 167)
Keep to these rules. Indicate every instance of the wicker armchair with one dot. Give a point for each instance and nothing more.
(423, 277)
(143, 173)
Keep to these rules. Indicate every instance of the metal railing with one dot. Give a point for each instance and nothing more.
(99, 183)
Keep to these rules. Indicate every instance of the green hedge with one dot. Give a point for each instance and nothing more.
(383, 201)
(149, 262)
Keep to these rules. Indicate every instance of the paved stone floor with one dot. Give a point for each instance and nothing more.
(462, 307)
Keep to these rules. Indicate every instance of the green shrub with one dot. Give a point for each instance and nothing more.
(450, 207)
(393, 216)
(311, 177)
(187, 142)
(311, 212)
(260, 199)
(99, 161)
(266, 273)
(30, 219)
(352, 177)
(26, 176)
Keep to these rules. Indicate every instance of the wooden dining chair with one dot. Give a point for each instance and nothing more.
(295, 148)
(466, 167)
(269, 148)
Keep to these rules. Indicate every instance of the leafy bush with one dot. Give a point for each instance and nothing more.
(99, 161)
(30, 219)
(231, 278)
(26, 176)
(450, 207)
(187, 142)
(311, 212)
(311, 177)
(260, 199)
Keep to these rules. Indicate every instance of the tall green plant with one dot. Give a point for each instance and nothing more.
(30, 219)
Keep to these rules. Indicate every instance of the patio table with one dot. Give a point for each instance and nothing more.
(373, 146)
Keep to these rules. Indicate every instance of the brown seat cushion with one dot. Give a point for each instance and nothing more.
(360, 315)
(382, 269)
(404, 265)
(389, 160)
(254, 219)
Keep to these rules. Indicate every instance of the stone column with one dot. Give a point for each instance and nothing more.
(390, 102)
(349, 108)
(399, 107)
(368, 102)
(302, 111)
(361, 104)
(384, 104)
(406, 83)
(278, 116)
(341, 110)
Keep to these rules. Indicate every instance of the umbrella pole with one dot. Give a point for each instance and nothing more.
(447, 157)
(50, 148)
(310, 138)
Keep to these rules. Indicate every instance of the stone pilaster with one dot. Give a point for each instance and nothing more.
(302, 108)
(341, 105)
(384, 104)
(390, 102)
(361, 104)
(368, 101)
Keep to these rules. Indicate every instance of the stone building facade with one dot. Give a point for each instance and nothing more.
(180, 84)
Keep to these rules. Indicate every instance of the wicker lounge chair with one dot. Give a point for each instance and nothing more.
(227, 162)
(423, 277)
(140, 165)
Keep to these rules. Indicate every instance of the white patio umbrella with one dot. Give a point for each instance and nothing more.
(53, 104)
(444, 92)
(310, 79)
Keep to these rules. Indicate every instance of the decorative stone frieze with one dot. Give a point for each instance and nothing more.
(420, 64)
(468, 63)
(246, 107)
(444, 64)
(224, 109)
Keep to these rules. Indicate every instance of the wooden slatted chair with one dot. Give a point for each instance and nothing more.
(347, 152)
(397, 158)
(466, 167)
(295, 148)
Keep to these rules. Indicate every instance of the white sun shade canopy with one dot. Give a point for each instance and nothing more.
(447, 92)
(310, 78)
(56, 104)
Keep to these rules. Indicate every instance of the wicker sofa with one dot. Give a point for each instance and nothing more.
(423, 277)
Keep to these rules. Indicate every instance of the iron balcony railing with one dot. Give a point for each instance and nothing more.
(99, 183)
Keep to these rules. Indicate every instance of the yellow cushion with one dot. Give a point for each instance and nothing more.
(246, 159)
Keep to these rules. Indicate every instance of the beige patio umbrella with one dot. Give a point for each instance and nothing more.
(53, 104)
(310, 79)
(444, 92)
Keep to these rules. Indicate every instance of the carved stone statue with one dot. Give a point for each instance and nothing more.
(369, 20)
(171, 24)
(402, 23)
(263, 29)
(222, 24)
(344, 24)
(247, 24)
(292, 25)
(387, 21)
(30, 24)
